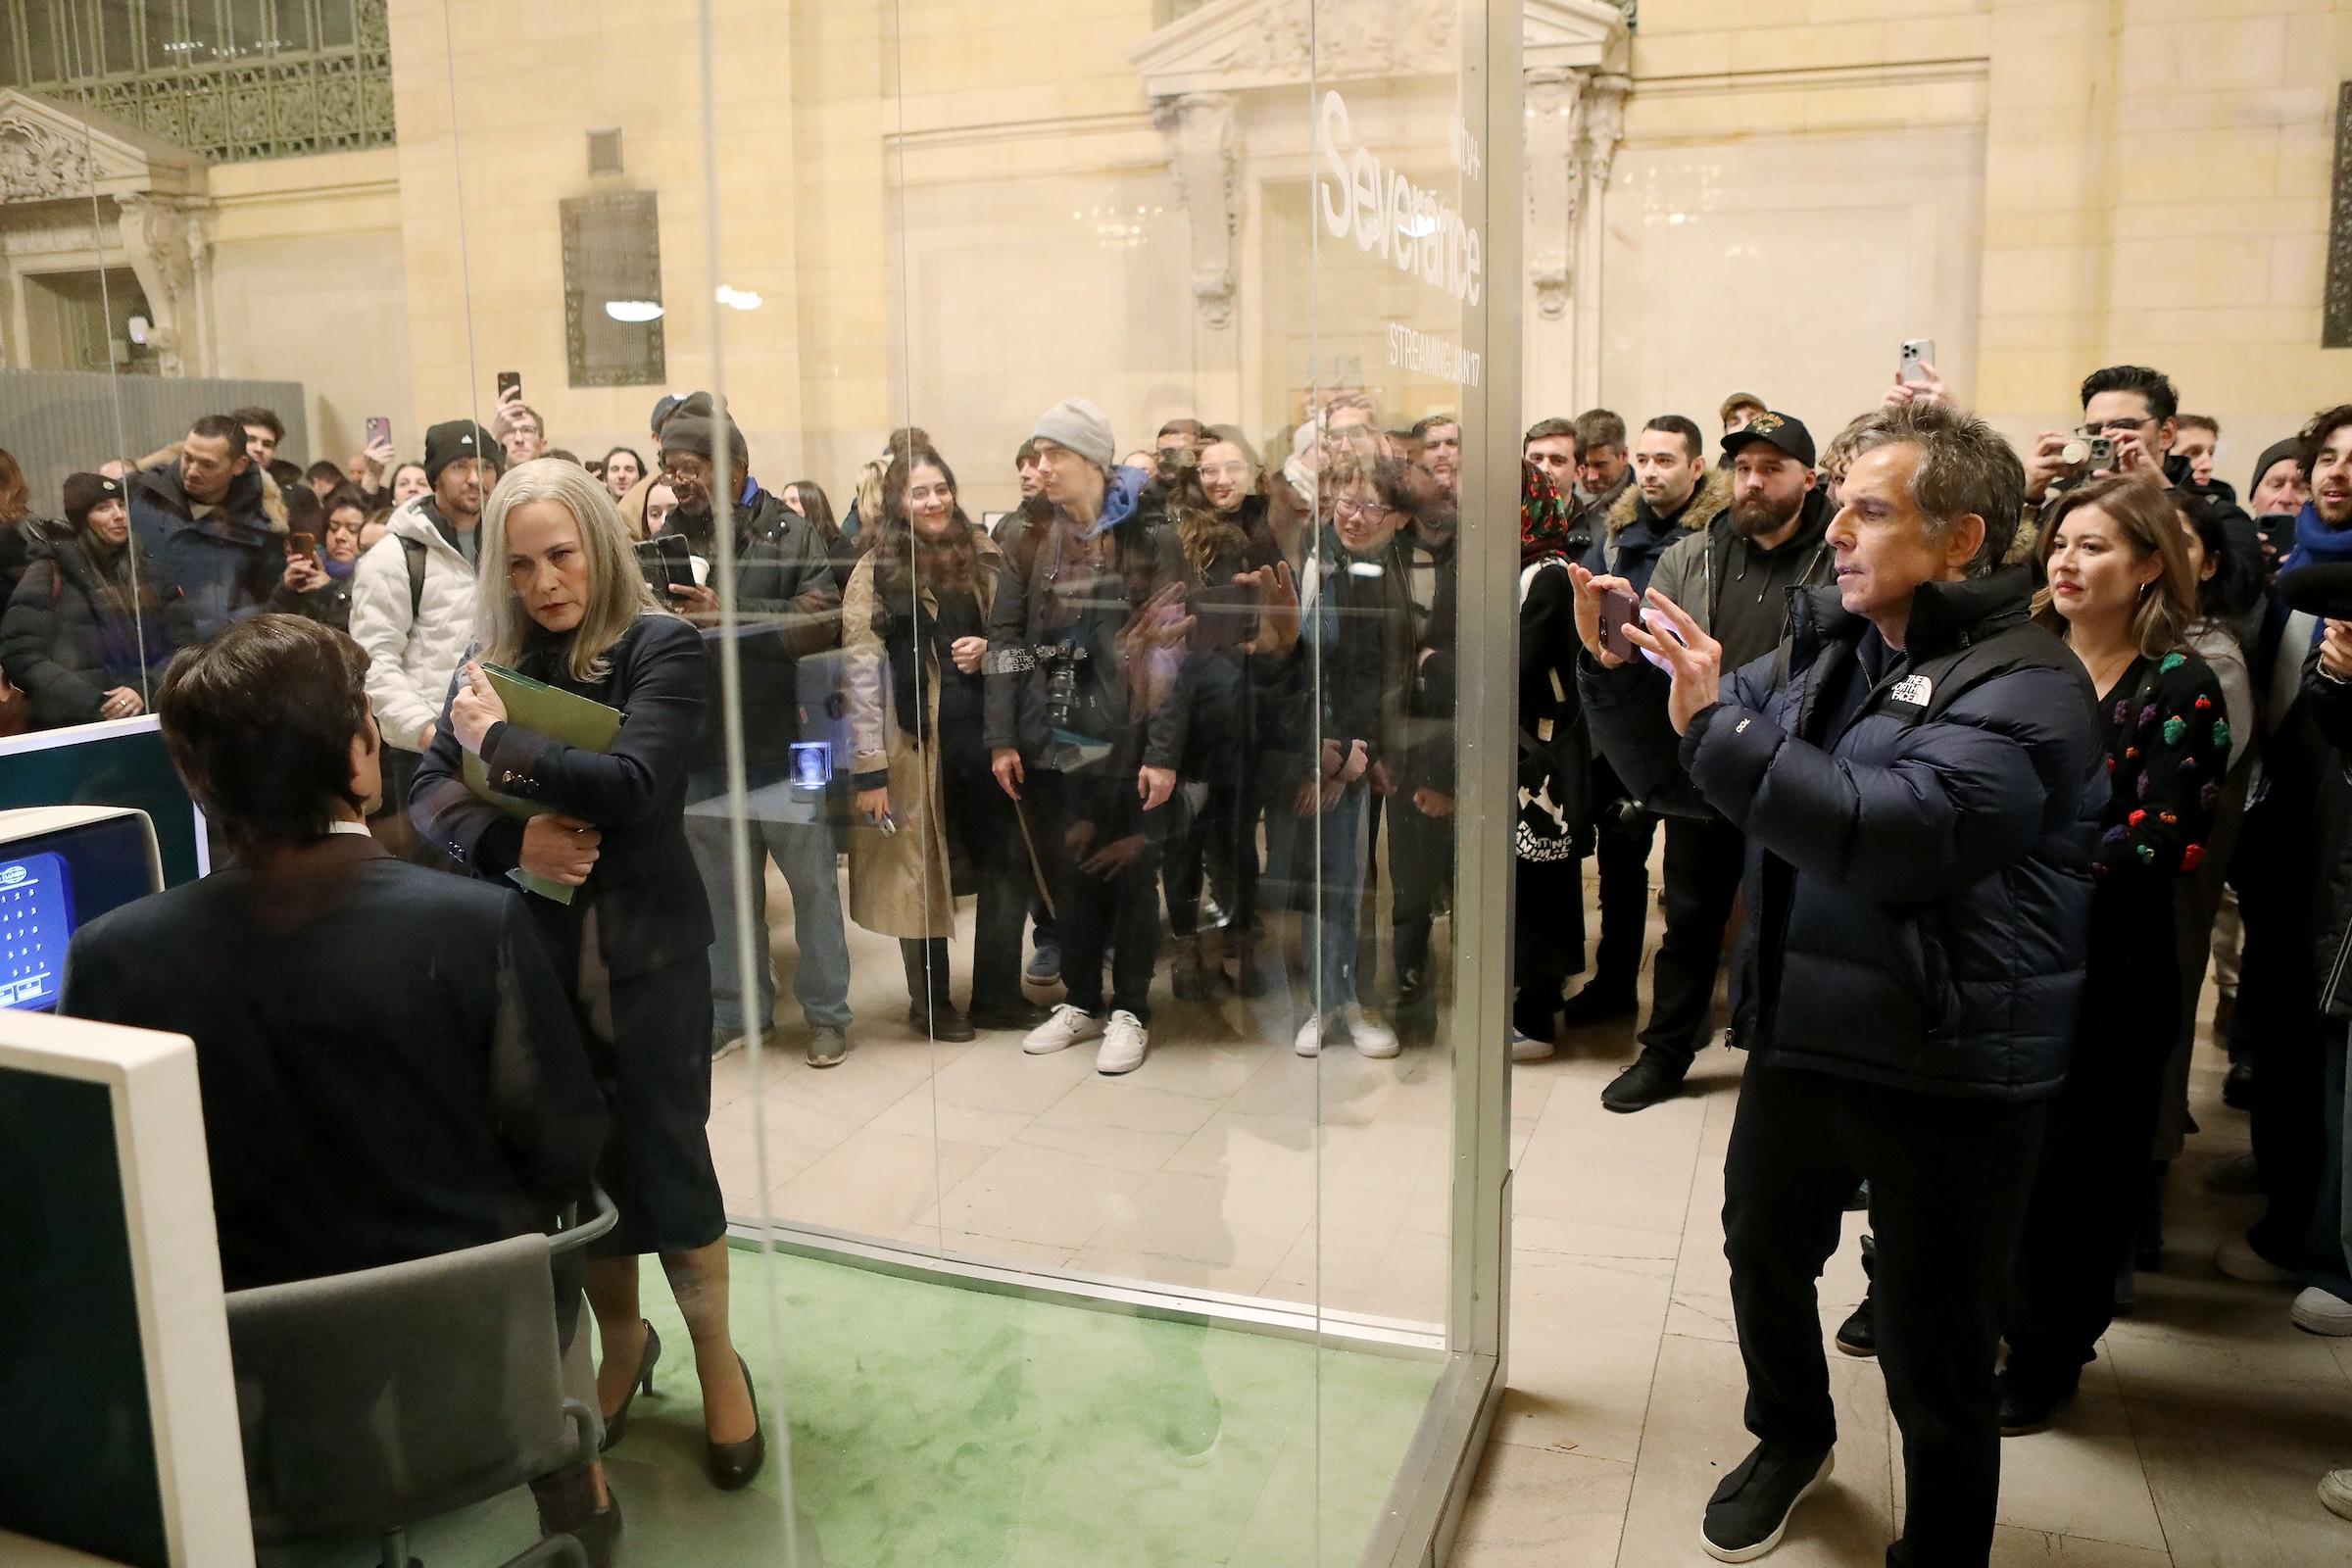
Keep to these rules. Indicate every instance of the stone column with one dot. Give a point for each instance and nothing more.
(164, 238)
(1603, 128)
(1203, 159)
(1555, 191)
(1205, 163)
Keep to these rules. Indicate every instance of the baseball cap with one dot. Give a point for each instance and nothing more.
(1780, 429)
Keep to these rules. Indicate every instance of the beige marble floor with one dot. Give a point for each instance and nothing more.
(1228, 1163)
(2199, 1436)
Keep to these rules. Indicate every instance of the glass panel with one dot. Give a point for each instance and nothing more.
(1063, 516)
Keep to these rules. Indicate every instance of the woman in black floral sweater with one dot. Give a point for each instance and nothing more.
(2121, 592)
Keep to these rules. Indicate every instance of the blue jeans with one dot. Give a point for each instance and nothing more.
(1329, 924)
(803, 852)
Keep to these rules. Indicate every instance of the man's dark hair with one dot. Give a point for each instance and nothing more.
(1599, 428)
(2153, 385)
(266, 418)
(559, 453)
(1026, 452)
(259, 720)
(1964, 467)
(536, 418)
(1190, 429)
(323, 470)
(222, 427)
(1428, 422)
(1545, 429)
(1677, 424)
(2202, 421)
(2315, 434)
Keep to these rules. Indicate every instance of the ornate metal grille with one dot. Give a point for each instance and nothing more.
(232, 80)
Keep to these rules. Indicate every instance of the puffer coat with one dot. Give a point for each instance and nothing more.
(1919, 877)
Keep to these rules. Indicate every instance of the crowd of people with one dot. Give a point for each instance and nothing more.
(1984, 757)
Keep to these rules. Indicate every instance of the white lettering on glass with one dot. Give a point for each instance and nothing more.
(1390, 217)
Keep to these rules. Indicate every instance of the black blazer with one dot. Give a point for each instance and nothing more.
(388, 1066)
(650, 910)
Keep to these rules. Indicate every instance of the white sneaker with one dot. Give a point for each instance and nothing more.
(1372, 1038)
(1060, 1032)
(1527, 1048)
(2335, 1492)
(2237, 1258)
(2318, 1311)
(1309, 1040)
(1123, 1045)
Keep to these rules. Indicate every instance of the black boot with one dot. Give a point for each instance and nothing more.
(927, 1007)
(1651, 1078)
(1858, 1335)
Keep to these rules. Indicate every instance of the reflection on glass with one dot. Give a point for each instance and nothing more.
(1064, 518)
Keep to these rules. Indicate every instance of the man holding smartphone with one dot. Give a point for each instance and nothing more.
(1914, 771)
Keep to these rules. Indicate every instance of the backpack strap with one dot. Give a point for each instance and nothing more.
(414, 551)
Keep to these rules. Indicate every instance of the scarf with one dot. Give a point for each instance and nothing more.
(340, 570)
(1544, 523)
(2316, 543)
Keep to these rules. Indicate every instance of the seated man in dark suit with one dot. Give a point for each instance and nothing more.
(387, 1061)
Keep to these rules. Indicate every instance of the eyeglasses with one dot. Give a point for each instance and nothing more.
(2092, 431)
(1358, 511)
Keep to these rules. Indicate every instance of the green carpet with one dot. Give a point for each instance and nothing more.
(939, 1426)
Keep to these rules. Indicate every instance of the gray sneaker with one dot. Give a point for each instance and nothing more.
(827, 1046)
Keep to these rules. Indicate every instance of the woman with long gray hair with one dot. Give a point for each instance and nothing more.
(560, 599)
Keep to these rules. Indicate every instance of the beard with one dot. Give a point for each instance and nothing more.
(1760, 514)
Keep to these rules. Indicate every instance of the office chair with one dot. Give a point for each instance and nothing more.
(375, 1399)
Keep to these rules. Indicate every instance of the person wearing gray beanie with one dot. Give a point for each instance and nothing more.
(1081, 426)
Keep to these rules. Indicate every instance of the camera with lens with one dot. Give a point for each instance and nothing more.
(1060, 664)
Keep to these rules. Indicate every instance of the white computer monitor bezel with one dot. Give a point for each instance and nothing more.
(176, 1267)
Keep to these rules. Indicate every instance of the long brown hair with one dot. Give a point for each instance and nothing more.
(902, 560)
(16, 496)
(2150, 522)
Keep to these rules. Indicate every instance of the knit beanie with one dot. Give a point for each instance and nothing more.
(1076, 424)
(698, 434)
(454, 441)
(83, 492)
(2292, 447)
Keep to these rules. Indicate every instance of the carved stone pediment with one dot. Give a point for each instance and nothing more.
(51, 153)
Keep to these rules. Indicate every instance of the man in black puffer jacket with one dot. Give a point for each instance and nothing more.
(1913, 770)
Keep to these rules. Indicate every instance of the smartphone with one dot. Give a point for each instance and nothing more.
(2102, 455)
(301, 544)
(666, 562)
(509, 380)
(1917, 353)
(379, 429)
(1617, 612)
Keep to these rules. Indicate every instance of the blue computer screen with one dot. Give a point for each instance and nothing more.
(37, 917)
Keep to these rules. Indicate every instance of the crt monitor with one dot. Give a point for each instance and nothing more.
(60, 867)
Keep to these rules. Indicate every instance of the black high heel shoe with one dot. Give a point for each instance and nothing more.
(732, 1465)
(643, 1383)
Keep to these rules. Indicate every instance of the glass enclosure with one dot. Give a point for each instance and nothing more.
(1099, 514)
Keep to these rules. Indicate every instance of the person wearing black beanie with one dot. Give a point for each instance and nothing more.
(91, 626)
